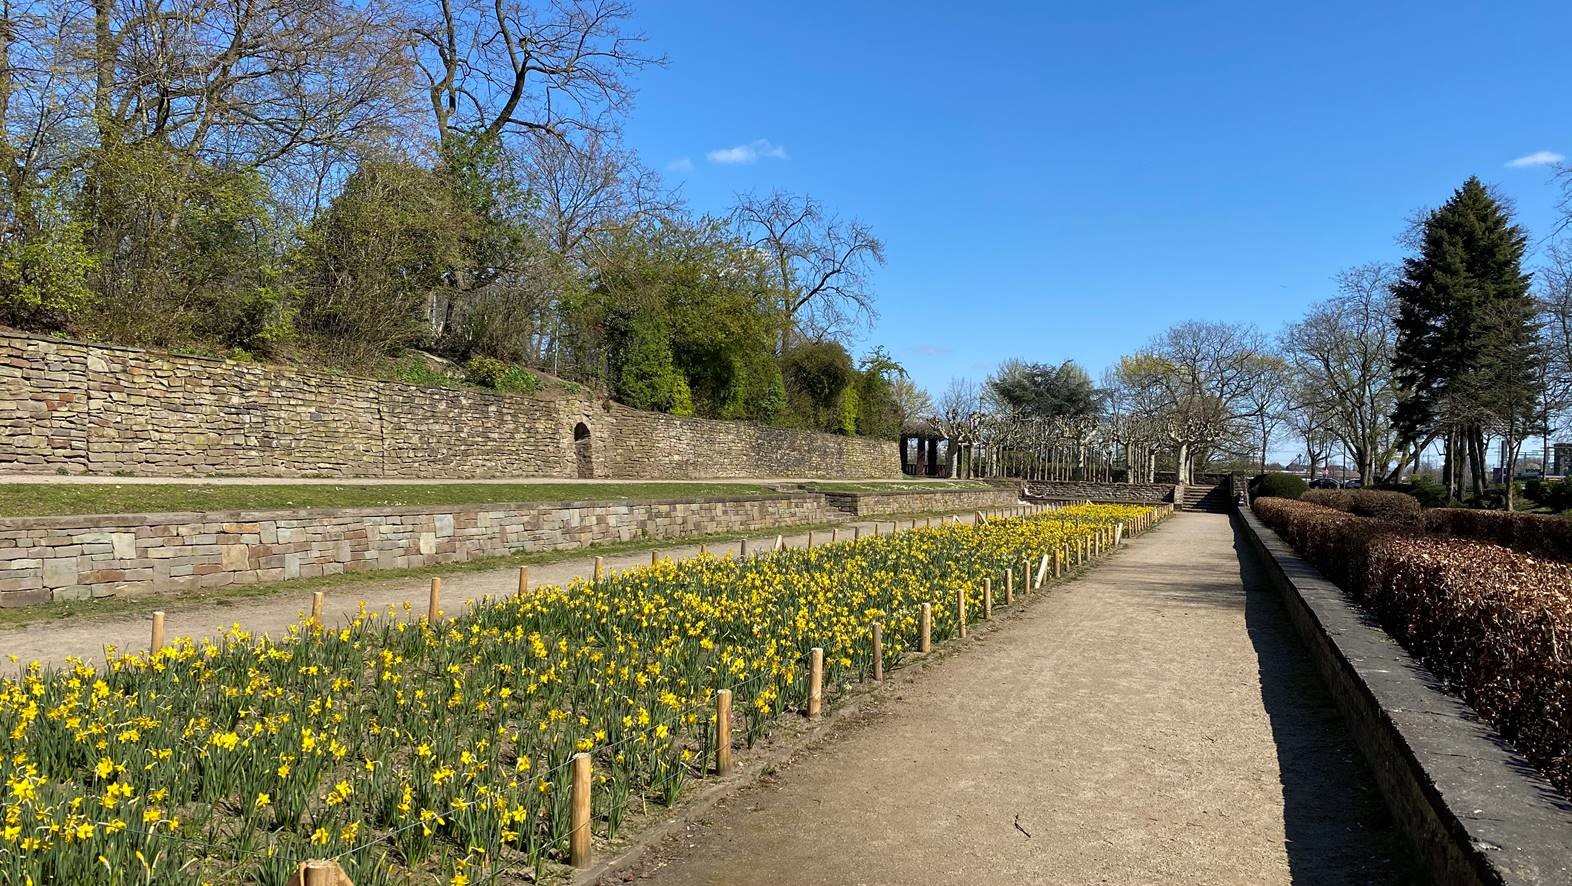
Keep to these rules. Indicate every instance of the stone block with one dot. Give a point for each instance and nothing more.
(124, 545)
(13, 599)
(59, 572)
(235, 558)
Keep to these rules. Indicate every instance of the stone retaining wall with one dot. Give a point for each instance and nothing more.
(72, 407)
(867, 504)
(62, 558)
(1059, 490)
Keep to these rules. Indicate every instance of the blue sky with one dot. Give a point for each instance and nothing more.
(1064, 180)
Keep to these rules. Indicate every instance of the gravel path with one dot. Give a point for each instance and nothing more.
(1154, 722)
(51, 642)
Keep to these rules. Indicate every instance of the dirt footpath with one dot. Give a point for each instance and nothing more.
(1153, 722)
(52, 641)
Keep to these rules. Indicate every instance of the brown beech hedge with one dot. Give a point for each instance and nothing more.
(1398, 507)
(1494, 624)
(1542, 535)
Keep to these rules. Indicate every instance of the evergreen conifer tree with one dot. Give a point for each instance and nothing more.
(1467, 345)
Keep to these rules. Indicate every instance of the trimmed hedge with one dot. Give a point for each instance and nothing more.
(1490, 622)
(1541, 535)
(1396, 507)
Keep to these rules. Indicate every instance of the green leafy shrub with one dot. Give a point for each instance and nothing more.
(1428, 492)
(509, 378)
(1556, 495)
(415, 370)
(1277, 486)
(1393, 507)
(1483, 618)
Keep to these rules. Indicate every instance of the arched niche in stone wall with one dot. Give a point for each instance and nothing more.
(583, 453)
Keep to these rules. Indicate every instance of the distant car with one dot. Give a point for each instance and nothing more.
(1353, 484)
(1323, 483)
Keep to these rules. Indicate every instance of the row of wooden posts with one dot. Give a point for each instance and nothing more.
(1083, 550)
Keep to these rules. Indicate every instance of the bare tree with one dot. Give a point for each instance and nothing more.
(1267, 401)
(821, 263)
(583, 186)
(246, 83)
(1341, 353)
(911, 401)
(549, 66)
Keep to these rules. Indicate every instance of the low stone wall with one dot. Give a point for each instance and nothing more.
(63, 558)
(1062, 490)
(867, 504)
(73, 407)
(1474, 811)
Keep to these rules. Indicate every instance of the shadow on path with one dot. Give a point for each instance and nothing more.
(1337, 828)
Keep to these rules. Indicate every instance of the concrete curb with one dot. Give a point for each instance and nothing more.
(1473, 809)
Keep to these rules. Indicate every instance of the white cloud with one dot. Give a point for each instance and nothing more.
(1538, 158)
(681, 164)
(742, 155)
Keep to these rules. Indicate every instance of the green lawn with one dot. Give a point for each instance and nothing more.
(56, 499)
(897, 486)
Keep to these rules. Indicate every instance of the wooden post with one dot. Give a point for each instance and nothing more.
(810, 538)
(654, 558)
(835, 535)
(815, 683)
(316, 607)
(434, 600)
(876, 529)
(925, 639)
(742, 550)
(1042, 570)
(960, 610)
(1009, 585)
(157, 641)
(723, 732)
(878, 653)
(579, 813)
(317, 872)
(703, 549)
(600, 568)
(523, 580)
(780, 542)
(856, 533)
(987, 598)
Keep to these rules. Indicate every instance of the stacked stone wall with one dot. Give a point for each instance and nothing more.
(869, 504)
(75, 408)
(65, 558)
(1057, 490)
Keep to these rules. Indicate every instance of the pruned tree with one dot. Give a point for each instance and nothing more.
(1194, 381)
(821, 263)
(959, 416)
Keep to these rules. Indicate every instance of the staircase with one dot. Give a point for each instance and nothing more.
(1210, 499)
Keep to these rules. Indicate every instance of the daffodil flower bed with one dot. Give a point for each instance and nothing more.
(409, 750)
